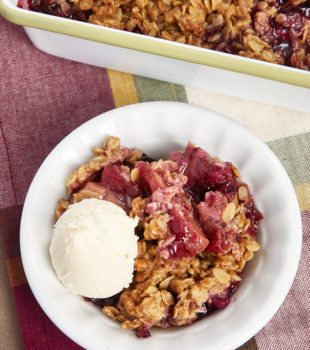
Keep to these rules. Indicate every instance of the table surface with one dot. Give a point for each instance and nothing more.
(268, 122)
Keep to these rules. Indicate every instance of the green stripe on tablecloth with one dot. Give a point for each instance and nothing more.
(155, 90)
(294, 154)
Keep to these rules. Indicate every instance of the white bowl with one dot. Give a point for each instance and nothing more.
(158, 128)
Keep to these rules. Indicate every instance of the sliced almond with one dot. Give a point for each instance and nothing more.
(236, 171)
(221, 275)
(149, 291)
(243, 194)
(98, 151)
(167, 297)
(132, 324)
(207, 282)
(225, 260)
(248, 255)
(247, 224)
(252, 246)
(236, 277)
(240, 220)
(229, 212)
(165, 283)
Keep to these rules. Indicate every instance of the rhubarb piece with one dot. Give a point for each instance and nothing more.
(117, 178)
(211, 214)
(123, 200)
(149, 178)
(188, 241)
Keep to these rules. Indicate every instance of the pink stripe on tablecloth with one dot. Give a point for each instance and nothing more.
(287, 328)
(7, 197)
(70, 97)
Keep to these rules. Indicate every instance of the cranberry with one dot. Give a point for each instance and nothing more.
(101, 302)
(143, 332)
(282, 35)
(204, 174)
(219, 176)
(286, 31)
(61, 9)
(220, 301)
(146, 158)
(221, 240)
(168, 319)
(80, 15)
(233, 287)
(254, 215)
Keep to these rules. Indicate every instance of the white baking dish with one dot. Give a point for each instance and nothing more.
(165, 60)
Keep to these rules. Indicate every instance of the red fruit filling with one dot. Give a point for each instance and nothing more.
(286, 31)
(255, 216)
(251, 212)
(121, 199)
(221, 237)
(56, 8)
(189, 240)
(220, 301)
(203, 172)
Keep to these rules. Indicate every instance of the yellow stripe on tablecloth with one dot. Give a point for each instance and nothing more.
(303, 196)
(123, 88)
(16, 272)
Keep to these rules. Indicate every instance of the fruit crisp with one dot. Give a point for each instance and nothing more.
(276, 31)
(197, 229)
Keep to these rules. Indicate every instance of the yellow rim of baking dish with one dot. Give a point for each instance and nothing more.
(155, 45)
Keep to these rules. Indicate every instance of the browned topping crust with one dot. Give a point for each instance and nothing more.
(269, 30)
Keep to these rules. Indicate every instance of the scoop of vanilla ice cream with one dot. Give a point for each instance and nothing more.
(93, 248)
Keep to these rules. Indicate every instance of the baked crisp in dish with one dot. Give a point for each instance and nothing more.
(197, 229)
(276, 31)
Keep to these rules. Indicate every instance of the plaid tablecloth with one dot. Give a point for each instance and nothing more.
(43, 98)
